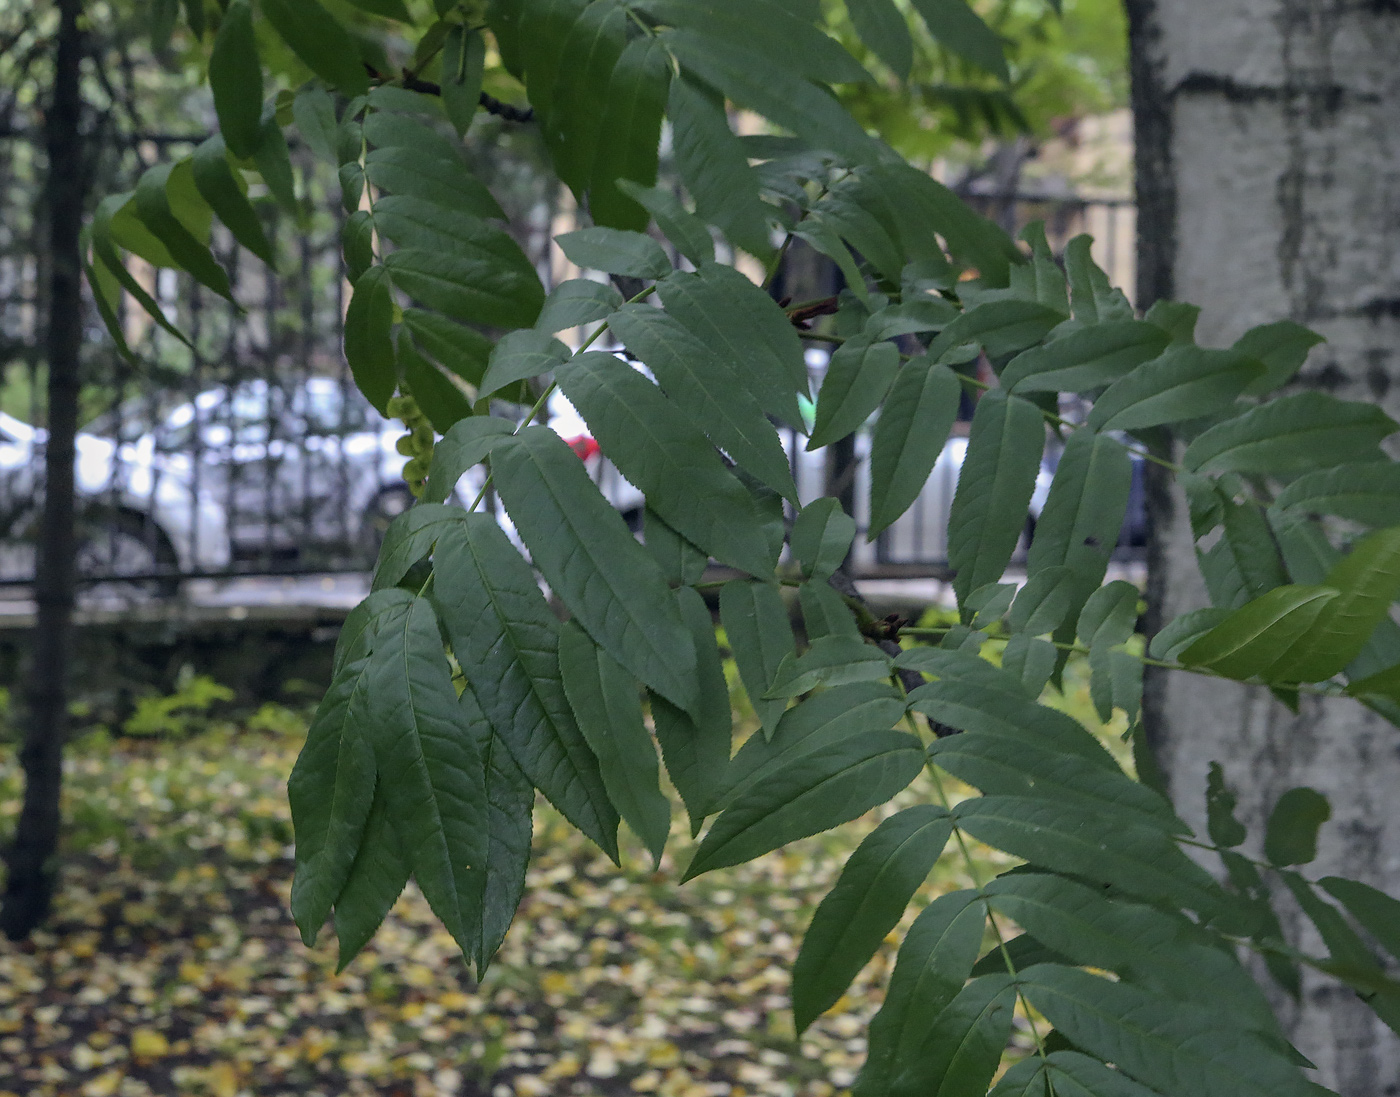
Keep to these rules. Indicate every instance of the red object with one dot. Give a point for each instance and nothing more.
(584, 446)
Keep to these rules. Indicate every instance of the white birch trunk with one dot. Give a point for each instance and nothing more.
(1269, 187)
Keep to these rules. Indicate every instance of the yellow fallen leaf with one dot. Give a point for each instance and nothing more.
(104, 1085)
(147, 1043)
(223, 1080)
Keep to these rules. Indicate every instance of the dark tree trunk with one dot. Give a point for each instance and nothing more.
(29, 884)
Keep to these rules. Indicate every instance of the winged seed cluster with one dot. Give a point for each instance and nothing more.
(458, 694)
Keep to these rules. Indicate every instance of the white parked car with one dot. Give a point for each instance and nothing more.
(134, 518)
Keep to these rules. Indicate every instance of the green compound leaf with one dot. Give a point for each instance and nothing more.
(369, 344)
(961, 1052)
(1283, 348)
(319, 40)
(528, 352)
(578, 301)
(821, 537)
(609, 712)
(377, 878)
(686, 231)
(584, 550)
(1094, 299)
(409, 538)
(817, 793)
(830, 661)
(994, 489)
(1149, 1037)
(506, 641)
(658, 448)
(1086, 359)
(1291, 836)
(876, 885)
(881, 26)
(955, 25)
(1296, 433)
(468, 442)
(629, 134)
(821, 721)
(616, 251)
(218, 186)
(236, 80)
(1377, 912)
(1250, 641)
(857, 378)
(155, 207)
(723, 309)
(431, 774)
(999, 327)
(913, 426)
(711, 388)
(1368, 493)
(696, 749)
(1185, 382)
(934, 961)
(760, 634)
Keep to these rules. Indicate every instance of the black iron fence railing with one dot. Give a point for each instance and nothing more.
(249, 450)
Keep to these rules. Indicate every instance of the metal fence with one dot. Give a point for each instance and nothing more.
(249, 451)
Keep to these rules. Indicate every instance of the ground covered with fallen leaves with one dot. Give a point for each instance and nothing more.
(171, 966)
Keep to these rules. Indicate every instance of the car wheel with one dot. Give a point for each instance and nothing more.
(382, 510)
(123, 556)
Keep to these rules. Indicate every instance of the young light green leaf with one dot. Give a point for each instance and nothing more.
(955, 25)
(584, 550)
(964, 1047)
(577, 301)
(660, 450)
(320, 42)
(1149, 1037)
(910, 433)
(696, 749)
(830, 661)
(1368, 579)
(875, 886)
(236, 80)
(219, 187)
(1291, 835)
(432, 776)
(506, 639)
(813, 726)
(935, 959)
(723, 309)
(757, 626)
(1089, 358)
(711, 389)
(522, 354)
(1295, 433)
(857, 378)
(881, 26)
(1251, 640)
(1368, 493)
(821, 537)
(712, 164)
(609, 713)
(615, 251)
(467, 443)
(1283, 348)
(369, 345)
(1185, 382)
(153, 205)
(686, 231)
(994, 489)
(815, 794)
